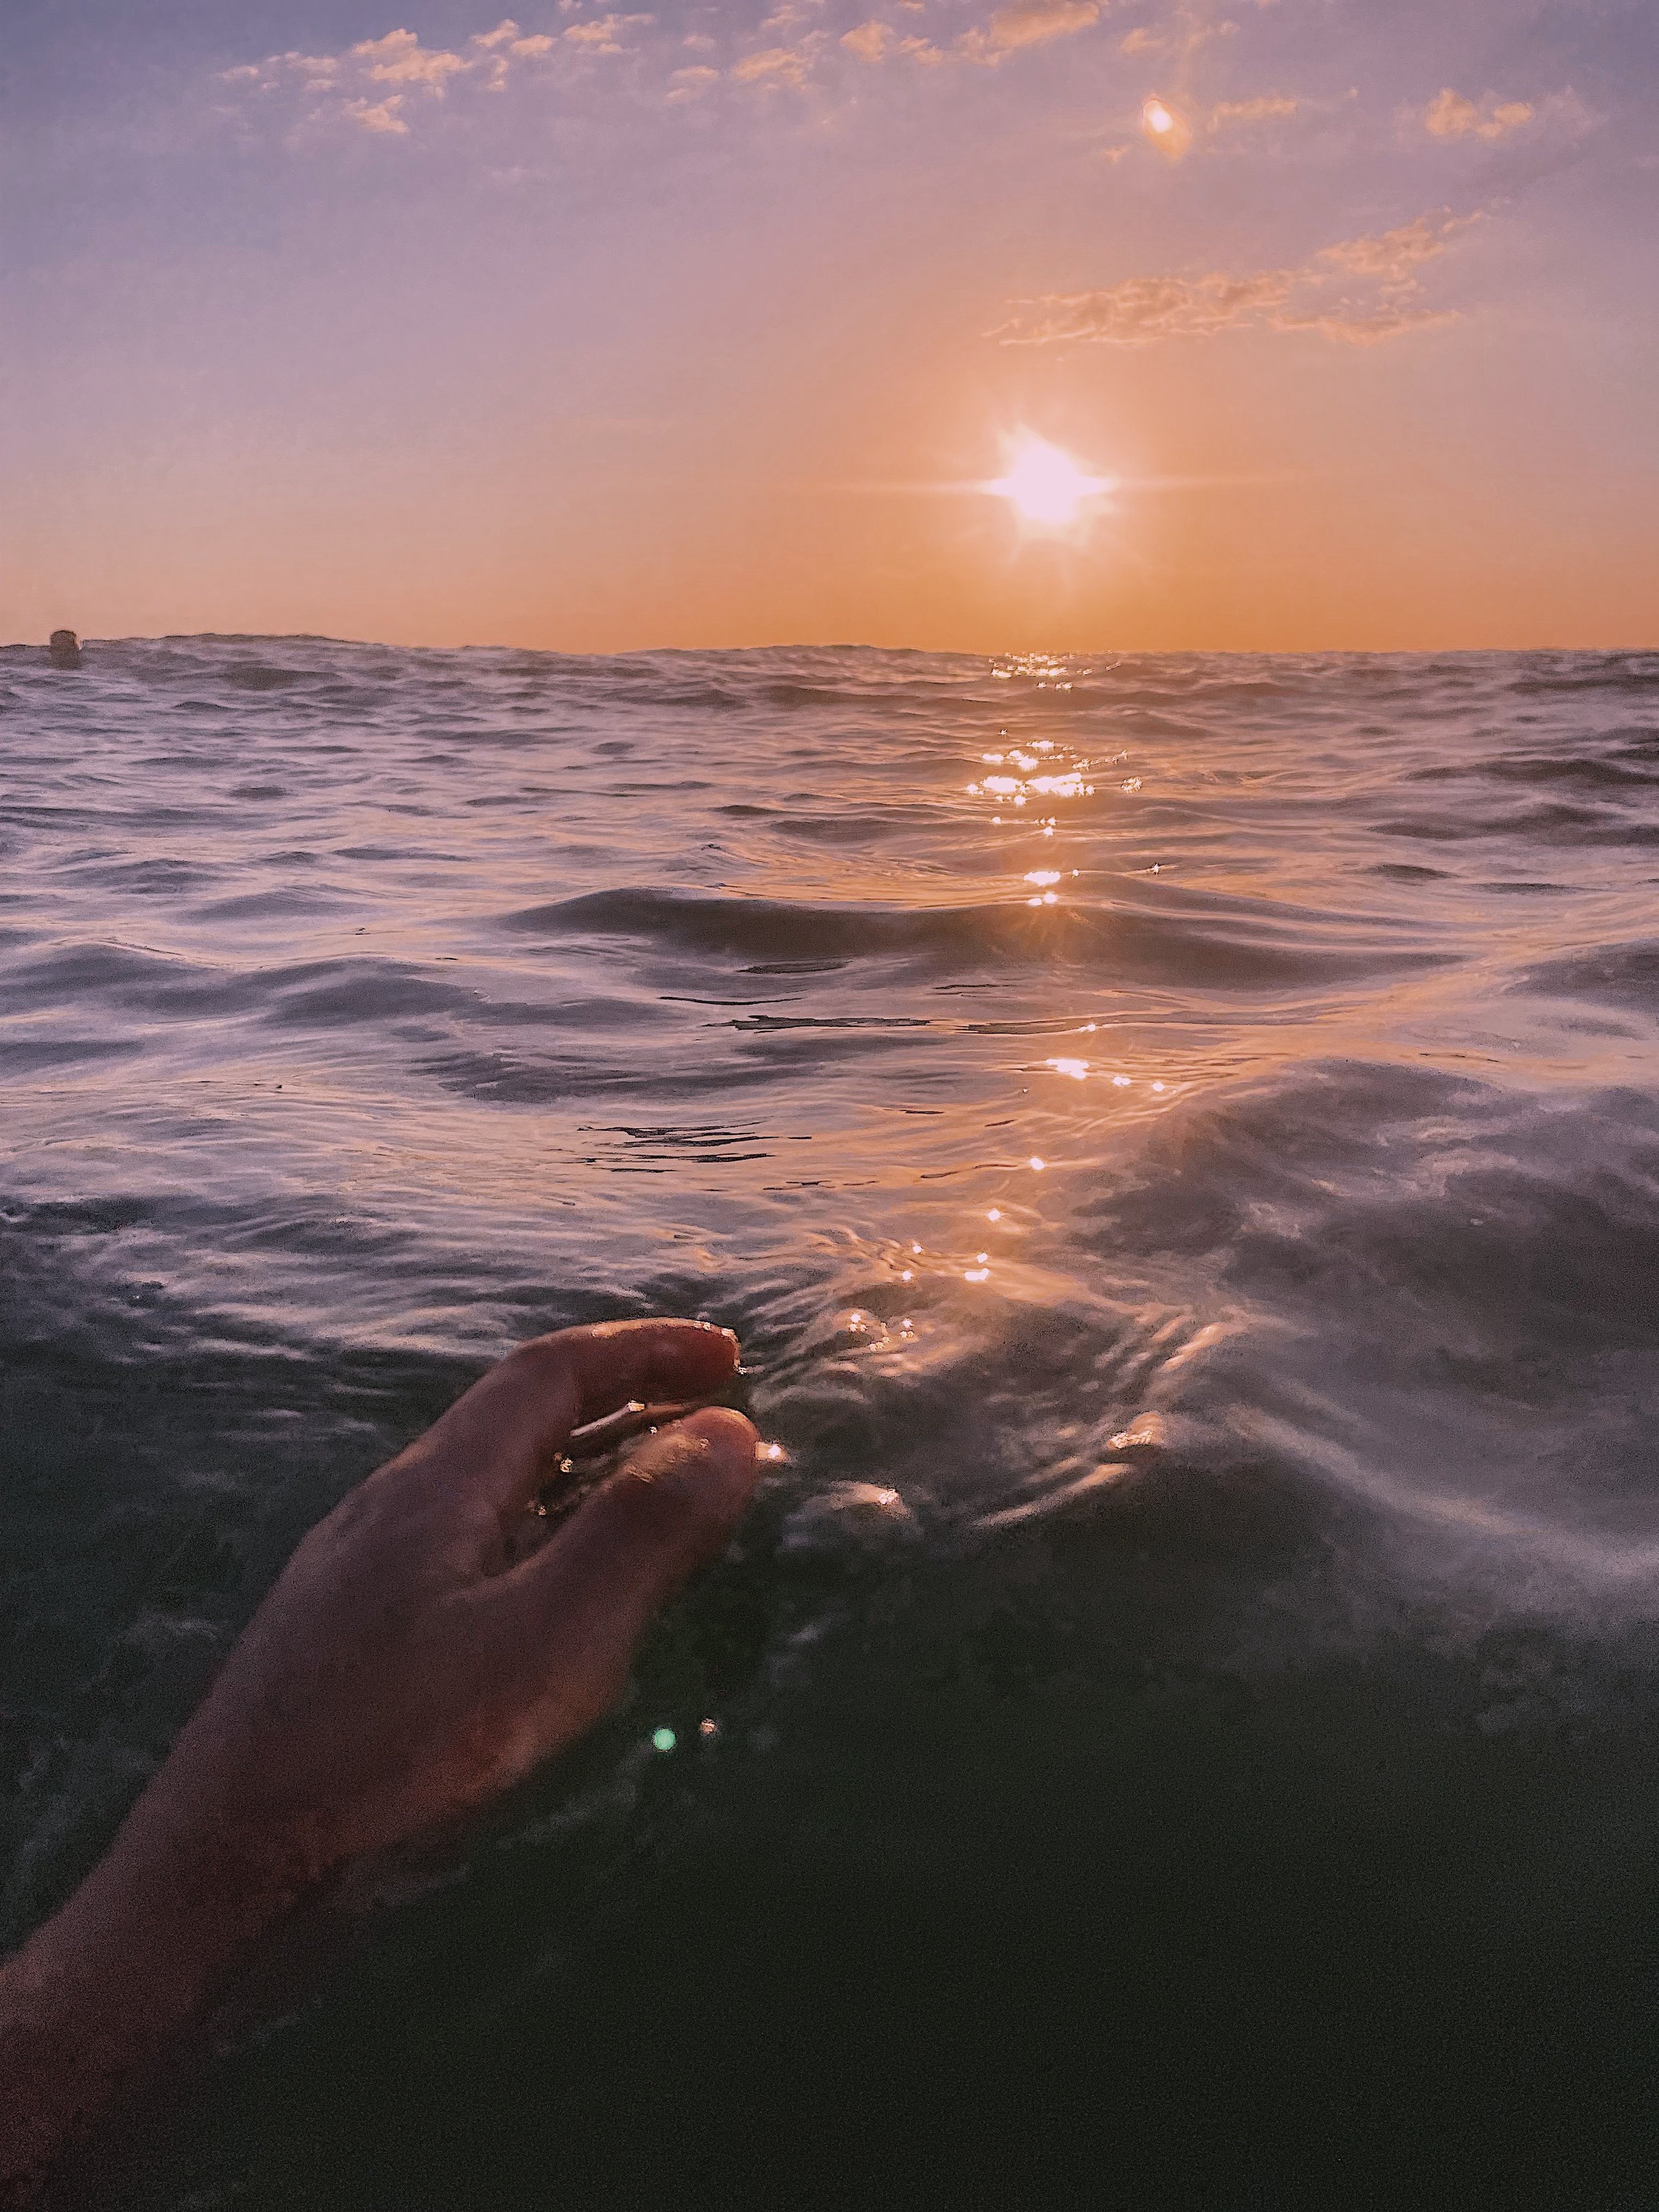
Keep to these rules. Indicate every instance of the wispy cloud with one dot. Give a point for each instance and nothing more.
(775, 67)
(1009, 30)
(400, 59)
(1449, 115)
(1360, 290)
(1522, 140)
(377, 115)
(878, 42)
(1144, 309)
(604, 34)
(1027, 23)
(692, 83)
(1270, 107)
(385, 86)
(377, 84)
(1393, 257)
(388, 87)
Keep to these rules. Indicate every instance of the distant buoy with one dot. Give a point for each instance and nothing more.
(64, 649)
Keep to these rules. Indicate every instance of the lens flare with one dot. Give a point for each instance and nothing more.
(1166, 126)
(1045, 484)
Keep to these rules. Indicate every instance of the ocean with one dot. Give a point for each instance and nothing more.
(1178, 1136)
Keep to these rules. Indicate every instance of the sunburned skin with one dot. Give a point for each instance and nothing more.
(413, 1659)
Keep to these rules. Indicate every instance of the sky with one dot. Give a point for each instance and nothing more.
(706, 324)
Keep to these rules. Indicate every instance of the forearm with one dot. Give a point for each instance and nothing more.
(100, 1993)
(405, 1669)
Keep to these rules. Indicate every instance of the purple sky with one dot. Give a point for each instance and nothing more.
(695, 326)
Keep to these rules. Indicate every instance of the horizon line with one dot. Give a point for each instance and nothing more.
(842, 645)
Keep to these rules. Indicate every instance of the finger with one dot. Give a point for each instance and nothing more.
(496, 1443)
(579, 1606)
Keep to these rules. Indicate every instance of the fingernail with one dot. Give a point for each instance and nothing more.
(715, 1458)
(689, 1354)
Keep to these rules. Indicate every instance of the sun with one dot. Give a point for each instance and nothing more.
(1045, 484)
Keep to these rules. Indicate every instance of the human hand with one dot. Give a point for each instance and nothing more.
(410, 1663)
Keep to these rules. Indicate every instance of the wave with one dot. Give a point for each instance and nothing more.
(1141, 947)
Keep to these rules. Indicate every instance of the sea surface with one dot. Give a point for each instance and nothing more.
(1179, 1137)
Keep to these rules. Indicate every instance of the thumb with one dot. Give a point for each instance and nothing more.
(600, 1582)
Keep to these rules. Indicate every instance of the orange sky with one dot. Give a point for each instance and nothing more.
(696, 328)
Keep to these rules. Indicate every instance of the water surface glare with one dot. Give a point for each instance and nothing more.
(1178, 1137)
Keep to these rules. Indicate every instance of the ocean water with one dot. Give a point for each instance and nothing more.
(1179, 1139)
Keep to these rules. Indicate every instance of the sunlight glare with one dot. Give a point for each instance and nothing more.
(1045, 484)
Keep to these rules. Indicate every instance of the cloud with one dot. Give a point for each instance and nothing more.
(1027, 23)
(772, 67)
(1370, 328)
(1521, 141)
(1393, 257)
(504, 44)
(400, 59)
(316, 72)
(601, 34)
(1448, 115)
(876, 42)
(348, 88)
(1261, 110)
(869, 41)
(382, 116)
(1182, 36)
(691, 83)
(1319, 296)
(1145, 309)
